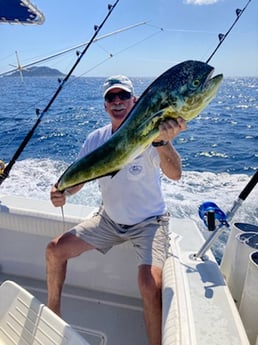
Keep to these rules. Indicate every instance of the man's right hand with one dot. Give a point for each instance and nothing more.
(57, 198)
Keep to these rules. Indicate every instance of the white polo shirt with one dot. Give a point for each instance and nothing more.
(134, 193)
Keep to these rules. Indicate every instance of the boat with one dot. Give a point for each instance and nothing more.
(202, 302)
(101, 300)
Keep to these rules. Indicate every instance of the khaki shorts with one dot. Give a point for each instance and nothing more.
(149, 238)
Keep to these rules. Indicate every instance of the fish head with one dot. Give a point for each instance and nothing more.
(190, 90)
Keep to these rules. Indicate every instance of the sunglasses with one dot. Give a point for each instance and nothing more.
(123, 95)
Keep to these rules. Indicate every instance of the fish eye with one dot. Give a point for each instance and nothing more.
(196, 83)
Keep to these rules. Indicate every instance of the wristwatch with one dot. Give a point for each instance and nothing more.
(159, 143)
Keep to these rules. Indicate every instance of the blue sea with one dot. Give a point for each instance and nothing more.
(219, 150)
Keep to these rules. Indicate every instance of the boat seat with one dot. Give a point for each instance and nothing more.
(24, 320)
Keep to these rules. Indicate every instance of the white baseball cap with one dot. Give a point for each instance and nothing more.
(120, 81)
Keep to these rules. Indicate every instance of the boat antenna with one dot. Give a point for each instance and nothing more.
(19, 67)
(221, 36)
(4, 171)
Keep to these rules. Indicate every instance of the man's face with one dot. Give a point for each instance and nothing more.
(118, 104)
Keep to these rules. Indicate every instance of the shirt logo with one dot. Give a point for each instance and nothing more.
(135, 169)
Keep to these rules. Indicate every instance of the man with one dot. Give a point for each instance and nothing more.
(130, 208)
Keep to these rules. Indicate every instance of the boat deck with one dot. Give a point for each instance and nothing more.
(101, 297)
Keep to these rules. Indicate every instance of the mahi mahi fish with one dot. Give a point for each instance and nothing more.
(182, 91)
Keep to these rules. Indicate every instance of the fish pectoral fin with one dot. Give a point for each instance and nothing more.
(153, 119)
(157, 115)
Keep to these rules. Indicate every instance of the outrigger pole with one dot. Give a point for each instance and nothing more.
(4, 173)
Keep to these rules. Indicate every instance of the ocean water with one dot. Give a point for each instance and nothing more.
(219, 150)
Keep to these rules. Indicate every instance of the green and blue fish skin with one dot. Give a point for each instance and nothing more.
(182, 91)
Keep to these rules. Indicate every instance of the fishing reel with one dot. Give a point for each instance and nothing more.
(212, 215)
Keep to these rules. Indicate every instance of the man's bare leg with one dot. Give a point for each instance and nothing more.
(150, 282)
(58, 251)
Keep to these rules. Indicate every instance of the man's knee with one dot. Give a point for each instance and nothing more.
(53, 250)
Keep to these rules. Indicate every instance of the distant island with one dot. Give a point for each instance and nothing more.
(38, 72)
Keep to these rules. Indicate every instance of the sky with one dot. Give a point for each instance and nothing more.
(174, 31)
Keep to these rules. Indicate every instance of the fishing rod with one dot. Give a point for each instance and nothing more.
(209, 212)
(4, 172)
(20, 67)
(221, 36)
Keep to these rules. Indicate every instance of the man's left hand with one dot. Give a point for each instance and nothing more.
(170, 128)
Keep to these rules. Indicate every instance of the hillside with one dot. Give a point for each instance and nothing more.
(42, 71)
